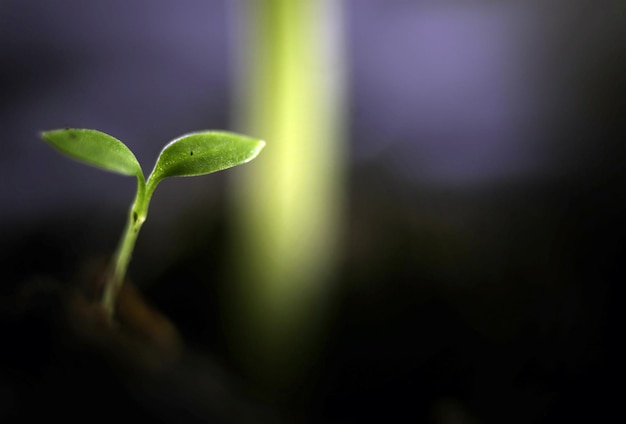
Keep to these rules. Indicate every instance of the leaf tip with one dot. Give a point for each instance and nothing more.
(260, 145)
(44, 134)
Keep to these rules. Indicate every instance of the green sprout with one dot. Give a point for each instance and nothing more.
(192, 154)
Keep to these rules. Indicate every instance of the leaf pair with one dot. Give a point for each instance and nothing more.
(192, 154)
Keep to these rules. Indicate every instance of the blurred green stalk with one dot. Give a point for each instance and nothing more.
(289, 204)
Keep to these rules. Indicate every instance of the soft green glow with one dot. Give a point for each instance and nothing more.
(289, 206)
(192, 154)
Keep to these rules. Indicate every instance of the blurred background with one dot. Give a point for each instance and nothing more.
(434, 230)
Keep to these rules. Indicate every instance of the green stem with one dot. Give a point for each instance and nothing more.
(136, 218)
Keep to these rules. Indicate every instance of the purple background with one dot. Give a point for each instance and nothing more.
(445, 94)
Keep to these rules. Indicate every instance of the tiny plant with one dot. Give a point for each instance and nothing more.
(192, 154)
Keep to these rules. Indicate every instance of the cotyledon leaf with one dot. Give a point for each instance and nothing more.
(95, 148)
(203, 153)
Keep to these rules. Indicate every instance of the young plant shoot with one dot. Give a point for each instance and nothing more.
(192, 154)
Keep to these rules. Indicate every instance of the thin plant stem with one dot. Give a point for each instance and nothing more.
(123, 254)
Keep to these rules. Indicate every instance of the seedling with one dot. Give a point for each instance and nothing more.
(192, 154)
